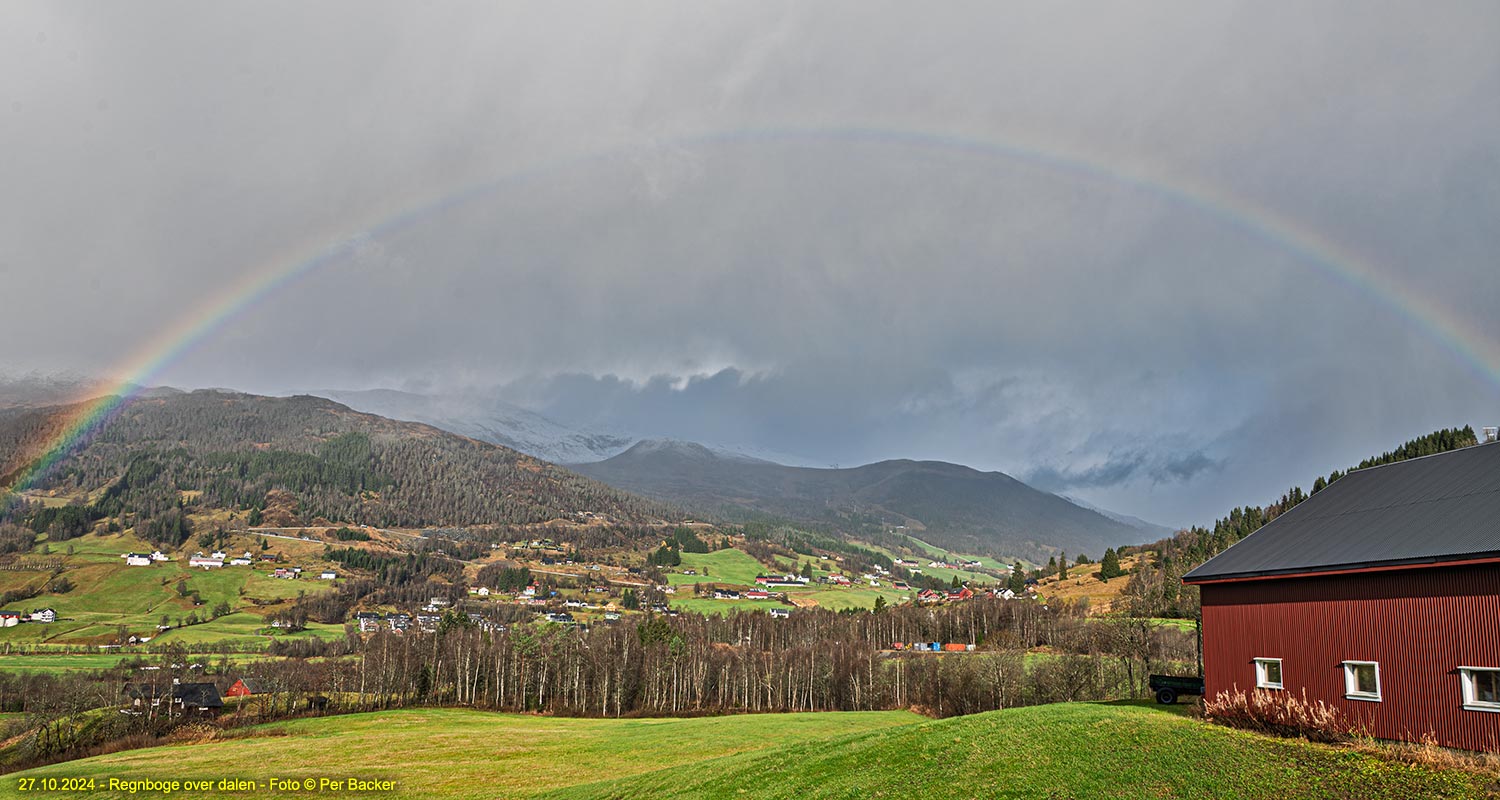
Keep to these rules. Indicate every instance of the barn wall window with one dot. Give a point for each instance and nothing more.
(1268, 673)
(1361, 680)
(1481, 687)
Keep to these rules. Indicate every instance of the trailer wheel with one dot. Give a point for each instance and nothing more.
(1166, 696)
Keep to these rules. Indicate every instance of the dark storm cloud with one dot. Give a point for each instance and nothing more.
(830, 297)
(1124, 468)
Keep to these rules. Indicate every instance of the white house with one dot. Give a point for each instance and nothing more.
(44, 615)
(218, 555)
(159, 556)
(328, 575)
(483, 591)
(137, 560)
(240, 562)
(205, 562)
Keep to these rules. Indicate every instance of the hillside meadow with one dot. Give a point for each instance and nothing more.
(733, 567)
(108, 595)
(1073, 750)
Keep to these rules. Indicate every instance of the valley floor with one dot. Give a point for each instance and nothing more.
(1059, 751)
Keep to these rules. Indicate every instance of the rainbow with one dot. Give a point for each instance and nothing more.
(1470, 345)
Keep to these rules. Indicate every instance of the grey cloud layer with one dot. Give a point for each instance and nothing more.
(836, 298)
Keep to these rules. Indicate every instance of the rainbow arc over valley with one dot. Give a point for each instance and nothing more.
(1472, 346)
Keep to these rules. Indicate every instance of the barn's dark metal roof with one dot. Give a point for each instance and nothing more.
(1443, 507)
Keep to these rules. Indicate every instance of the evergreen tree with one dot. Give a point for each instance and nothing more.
(1109, 566)
(1062, 567)
(1017, 581)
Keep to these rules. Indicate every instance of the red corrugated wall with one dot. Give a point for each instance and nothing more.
(1419, 624)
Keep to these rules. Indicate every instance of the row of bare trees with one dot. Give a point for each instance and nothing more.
(814, 661)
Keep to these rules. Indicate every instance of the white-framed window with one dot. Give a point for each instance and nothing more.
(1481, 687)
(1268, 673)
(1362, 680)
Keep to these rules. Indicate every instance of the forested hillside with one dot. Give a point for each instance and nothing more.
(298, 459)
(948, 505)
(1156, 589)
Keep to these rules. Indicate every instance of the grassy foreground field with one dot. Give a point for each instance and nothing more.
(448, 753)
(1060, 751)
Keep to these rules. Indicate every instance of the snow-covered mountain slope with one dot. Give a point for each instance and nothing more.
(488, 420)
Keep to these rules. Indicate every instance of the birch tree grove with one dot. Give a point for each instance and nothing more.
(814, 661)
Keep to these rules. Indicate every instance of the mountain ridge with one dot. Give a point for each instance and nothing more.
(953, 505)
(235, 451)
(1144, 525)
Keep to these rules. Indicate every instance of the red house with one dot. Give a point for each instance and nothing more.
(1378, 595)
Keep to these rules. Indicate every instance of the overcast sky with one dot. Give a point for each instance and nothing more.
(840, 231)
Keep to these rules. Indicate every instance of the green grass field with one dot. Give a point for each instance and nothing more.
(54, 663)
(737, 568)
(1078, 750)
(60, 662)
(733, 567)
(445, 753)
(1061, 751)
(708, 605)
(838, 599)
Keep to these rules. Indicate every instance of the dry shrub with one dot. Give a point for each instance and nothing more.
(193, 733)
(1281, 714)
(1427, 752)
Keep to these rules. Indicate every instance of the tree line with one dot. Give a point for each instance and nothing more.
(1155, 588)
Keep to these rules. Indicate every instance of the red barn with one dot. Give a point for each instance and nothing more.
(244, 687)
(1379, 595)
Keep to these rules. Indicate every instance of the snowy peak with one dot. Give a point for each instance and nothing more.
(488, 420)
(676, 449)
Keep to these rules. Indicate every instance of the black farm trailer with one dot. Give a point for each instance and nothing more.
(1169, 687)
